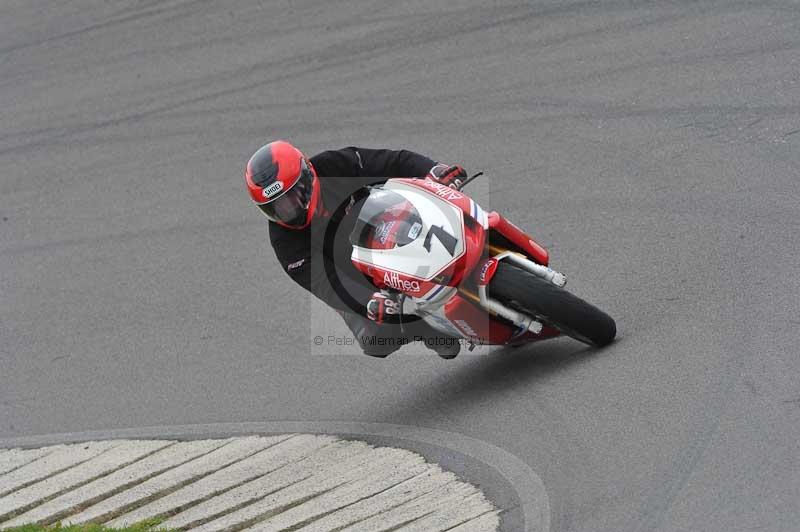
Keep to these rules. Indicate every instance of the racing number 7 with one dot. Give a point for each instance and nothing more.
(448, 241)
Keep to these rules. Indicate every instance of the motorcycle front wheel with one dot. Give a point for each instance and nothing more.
(551, 305)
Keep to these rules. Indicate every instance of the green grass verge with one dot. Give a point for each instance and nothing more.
(148, 525)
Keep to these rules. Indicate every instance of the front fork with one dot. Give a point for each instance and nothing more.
(487, 271)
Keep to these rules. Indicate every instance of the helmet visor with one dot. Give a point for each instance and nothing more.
(291, 207)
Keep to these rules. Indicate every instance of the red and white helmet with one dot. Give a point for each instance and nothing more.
(283, 184)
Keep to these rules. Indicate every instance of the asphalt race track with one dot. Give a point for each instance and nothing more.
(653, 147)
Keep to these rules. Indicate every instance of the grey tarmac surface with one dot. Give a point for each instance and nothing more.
(653, 147)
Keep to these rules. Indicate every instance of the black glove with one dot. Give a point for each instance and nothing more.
(382, 305)
(451, 176)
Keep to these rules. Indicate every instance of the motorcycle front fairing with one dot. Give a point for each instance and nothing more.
(411, 240)
(426, 240)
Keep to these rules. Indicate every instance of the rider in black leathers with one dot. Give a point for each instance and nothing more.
(314, 249)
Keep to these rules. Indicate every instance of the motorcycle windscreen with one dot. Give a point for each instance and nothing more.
(387, 220)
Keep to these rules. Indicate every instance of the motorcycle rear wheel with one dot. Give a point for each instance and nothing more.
(552, 305)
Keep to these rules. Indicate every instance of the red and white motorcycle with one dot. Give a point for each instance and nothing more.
(469, 273)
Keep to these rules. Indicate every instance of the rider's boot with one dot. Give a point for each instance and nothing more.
(445, 346)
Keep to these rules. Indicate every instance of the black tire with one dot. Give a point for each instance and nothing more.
(552, 305)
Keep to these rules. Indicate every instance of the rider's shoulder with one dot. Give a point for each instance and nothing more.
(337, 162)
(347, 152)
